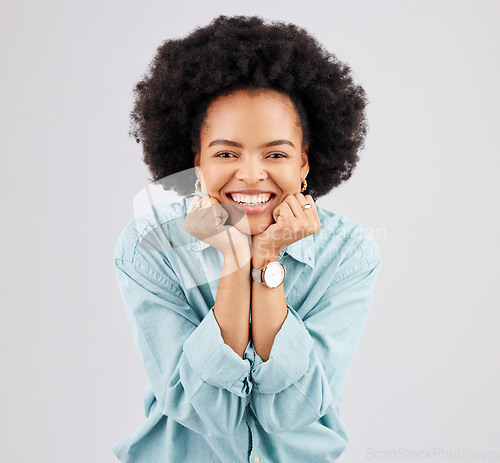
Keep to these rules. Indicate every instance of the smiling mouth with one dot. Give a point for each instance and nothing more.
(250, 200)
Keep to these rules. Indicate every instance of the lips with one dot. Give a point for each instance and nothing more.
(252, 201)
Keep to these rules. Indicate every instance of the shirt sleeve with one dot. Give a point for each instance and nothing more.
(189, 366)
(308, 363)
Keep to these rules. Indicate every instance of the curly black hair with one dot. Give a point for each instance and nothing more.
(242, 52)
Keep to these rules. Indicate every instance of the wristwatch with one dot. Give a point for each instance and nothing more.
(271, 275)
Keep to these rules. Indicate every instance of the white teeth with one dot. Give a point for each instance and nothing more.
(250, 200)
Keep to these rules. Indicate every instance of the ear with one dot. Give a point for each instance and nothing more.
(196, 158)
(304, 169)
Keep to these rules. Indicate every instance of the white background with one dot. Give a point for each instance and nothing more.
(426, 374)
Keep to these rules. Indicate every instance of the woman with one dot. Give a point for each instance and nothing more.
(246, 300)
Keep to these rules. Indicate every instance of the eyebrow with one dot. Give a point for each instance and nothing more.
(238, 145)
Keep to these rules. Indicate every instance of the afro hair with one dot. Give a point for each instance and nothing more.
(242, 52)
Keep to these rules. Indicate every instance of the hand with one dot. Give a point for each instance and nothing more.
(292, 223)
(206, 220)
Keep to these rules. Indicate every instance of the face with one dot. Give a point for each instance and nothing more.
(251, 155)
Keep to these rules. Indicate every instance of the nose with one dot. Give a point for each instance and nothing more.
(250, 170)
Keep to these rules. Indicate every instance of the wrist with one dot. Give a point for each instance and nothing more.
(270, 274)
(239, 250)
(261, 257)
(237, 259)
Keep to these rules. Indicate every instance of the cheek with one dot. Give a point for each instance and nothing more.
(214, 177)
(289, 181)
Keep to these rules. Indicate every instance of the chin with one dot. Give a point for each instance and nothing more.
(260, 226)
(252, 227)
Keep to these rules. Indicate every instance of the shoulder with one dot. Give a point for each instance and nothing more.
(345, 243)
(155, 227)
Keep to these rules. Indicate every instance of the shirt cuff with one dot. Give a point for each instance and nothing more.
(289, 357)
(214, 361)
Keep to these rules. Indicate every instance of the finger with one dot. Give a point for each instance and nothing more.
(204, 188)
(309, 199)
(213, 201)
(294, 201)
(276, 212)
(283, 212)
(195, 203)
(218, 209)
(205, 200)
(217, 213)
(312, 213)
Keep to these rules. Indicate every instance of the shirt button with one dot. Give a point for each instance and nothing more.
(256, 458)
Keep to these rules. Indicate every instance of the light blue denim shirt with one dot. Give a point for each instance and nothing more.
(204, 403)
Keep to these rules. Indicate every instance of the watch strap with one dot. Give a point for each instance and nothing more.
(256, 274)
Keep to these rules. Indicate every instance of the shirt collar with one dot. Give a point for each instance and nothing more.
(302, 250)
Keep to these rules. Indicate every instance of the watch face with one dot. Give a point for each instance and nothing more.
(274, 274)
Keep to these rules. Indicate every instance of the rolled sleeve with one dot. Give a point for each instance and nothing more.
(289, 357)
(335, 328)
(157, 310)
(214, 361)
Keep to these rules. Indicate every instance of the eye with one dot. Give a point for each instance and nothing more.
(277, 155)
(224, 154)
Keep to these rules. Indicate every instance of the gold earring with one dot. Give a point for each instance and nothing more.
(197, 185)
(303, 185)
